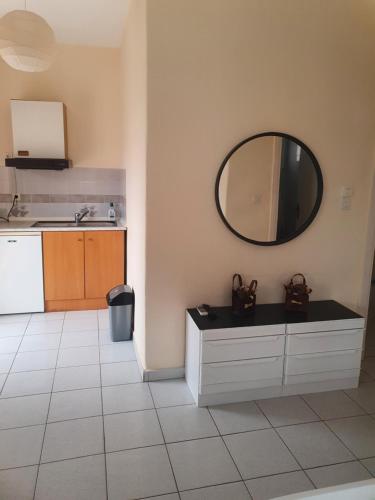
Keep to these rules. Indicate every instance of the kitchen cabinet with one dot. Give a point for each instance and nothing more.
(104, 262)
(80, 267)
(63, 256)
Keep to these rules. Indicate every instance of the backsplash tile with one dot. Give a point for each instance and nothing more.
(48, 193)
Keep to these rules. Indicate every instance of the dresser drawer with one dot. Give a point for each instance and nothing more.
(323, 362)
(242, 371)
(247, 348)
(326, 326)
(243, 332)
(310, 378)
(304, 343)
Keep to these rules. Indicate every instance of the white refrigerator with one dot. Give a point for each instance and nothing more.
(21, 273)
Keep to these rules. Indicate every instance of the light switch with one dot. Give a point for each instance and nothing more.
(346, 198)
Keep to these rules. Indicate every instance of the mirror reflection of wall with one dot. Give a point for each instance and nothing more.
(269, 188)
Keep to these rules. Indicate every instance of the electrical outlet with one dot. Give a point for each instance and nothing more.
(17, 196)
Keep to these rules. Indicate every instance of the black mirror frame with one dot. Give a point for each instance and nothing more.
(314, 211)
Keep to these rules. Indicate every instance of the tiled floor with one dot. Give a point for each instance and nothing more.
(77, 423)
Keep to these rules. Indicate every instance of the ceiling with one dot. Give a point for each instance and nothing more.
(82, 22)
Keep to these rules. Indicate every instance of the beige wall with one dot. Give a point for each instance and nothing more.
(87, 80)
(134, 112)
(219, 71)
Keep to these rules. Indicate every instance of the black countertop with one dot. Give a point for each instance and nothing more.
(272, 314)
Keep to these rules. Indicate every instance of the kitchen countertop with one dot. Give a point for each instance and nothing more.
(25, 225)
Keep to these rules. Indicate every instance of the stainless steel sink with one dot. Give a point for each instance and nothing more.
(87, 223)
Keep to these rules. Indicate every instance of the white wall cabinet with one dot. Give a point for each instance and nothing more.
(231, 359)
(38, 129)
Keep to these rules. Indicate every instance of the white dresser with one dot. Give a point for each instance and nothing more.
(272, 353)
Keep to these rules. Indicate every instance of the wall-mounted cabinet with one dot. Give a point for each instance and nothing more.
(80, 267)
(38, 129)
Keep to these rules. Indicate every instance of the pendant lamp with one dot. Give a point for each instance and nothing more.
(27, 42)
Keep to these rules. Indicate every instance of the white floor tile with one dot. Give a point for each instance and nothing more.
(12, 329)
(20, 447)
(48, 316)
(260, 453)
(358, 434)
(27, 383)
(136, 429)
(203, 462)
(265, 488)
(6, 361)
(23, 411)
(120, 373)
(40, 342)
(333, 404)
(6, 319)
(2, 380)
(124, 398)
(287, 411)
(73, 438)
(139, 473)
(104, 322)
(171, 393)
(39, 328)
(37, 360)
(105, 337)
(333, 475)
(18, 484)
(9, 344)
(314, 445)
(75, 404)
(235, 491)
(78, 315)
(118, 351)
(80, 325)
(369, 463)
(79, 339)
(75, 479)
(181, 423)
(369, 366)
(364, 395)
(239, 417)
(77, 377)
(171, 496)
(78, 356)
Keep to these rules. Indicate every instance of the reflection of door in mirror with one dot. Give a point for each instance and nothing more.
(298, 188)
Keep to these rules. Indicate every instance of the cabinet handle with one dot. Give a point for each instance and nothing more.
(12, 241)
(90, 239)
(80, 239)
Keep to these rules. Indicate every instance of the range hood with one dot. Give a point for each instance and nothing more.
(39, 135)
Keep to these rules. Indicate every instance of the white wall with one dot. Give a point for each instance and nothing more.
(134, 112)
(220, 71)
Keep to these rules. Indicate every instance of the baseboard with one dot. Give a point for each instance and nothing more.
(164, 374)
(138, 359)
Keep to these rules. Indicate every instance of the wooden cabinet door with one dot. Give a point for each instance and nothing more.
(63, 258)
(104, 262)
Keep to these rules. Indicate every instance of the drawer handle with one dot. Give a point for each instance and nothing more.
(12, 241)
(218, 343)
(327, 334)
(245, 362)
(326, 354)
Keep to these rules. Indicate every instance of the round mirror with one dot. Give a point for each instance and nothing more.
(269, 188)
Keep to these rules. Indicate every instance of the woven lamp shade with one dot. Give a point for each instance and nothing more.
(27, 42)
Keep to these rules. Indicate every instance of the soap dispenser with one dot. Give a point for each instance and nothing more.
(111, 212)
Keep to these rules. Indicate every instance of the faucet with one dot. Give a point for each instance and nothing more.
(78, 216)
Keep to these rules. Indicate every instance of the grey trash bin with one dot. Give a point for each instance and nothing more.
(120, 302)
